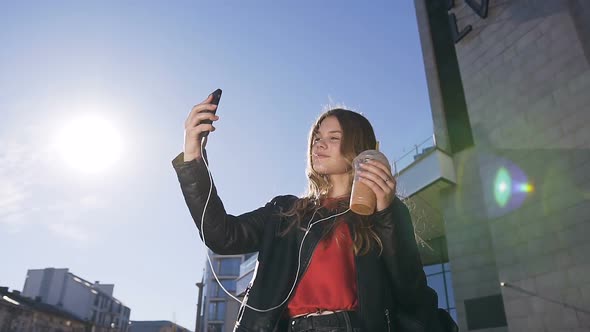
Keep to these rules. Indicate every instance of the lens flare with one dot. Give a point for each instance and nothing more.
(502, 185)
(511, 187)
(526, 188)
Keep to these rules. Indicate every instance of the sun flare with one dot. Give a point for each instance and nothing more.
(89, 143)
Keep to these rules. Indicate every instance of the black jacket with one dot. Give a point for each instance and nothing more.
(391, 286)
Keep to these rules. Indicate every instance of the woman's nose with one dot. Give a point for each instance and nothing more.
(320, 142)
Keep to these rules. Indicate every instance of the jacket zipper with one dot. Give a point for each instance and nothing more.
(388, 320)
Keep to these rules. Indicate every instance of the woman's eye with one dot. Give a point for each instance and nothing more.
(334, 138)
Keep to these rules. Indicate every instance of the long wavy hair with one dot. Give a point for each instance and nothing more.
(357, 136)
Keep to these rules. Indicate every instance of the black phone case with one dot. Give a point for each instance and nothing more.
(216, 97)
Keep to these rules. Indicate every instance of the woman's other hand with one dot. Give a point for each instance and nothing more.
(377, 176)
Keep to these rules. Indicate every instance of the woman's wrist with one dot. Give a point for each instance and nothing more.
(190, 157)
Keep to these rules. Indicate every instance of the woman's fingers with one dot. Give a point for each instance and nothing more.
(200, 117)
(205, 105)
(377, 183)
(195, 132)
(378, 172)
(377, 176)
(197, 111)
(377, 189)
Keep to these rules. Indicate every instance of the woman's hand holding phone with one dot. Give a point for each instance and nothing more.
(198, 125)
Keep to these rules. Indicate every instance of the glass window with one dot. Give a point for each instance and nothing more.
(229, 285)
(453, 313)
(229, 266)
(220, 310)
(437, 283)
(213, 288)
(217, 310)
(450, 290)
(432, 269)
(212, 309)
(216, 291)
(215, 328)
(442, 283)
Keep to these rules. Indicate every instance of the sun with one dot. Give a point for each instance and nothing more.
(89, 143)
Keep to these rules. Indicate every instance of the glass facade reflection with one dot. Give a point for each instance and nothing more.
(218, 313)
(216, 291)
(217, 310)
(229, 266)
(440, 279)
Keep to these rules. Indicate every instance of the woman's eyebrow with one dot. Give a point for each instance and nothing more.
(330, 132)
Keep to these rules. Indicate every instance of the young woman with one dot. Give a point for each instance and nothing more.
(321, 267)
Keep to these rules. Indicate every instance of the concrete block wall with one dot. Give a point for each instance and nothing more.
(525, 72)
(526, 77)
(469, 238)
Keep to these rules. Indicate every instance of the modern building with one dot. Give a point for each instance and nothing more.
(502, 198)
(246, 274)
(92, 302)
(23, 314)
(155, 326)
(220, 310)
(500, 194)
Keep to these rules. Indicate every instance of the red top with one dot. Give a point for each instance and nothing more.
(330, 280)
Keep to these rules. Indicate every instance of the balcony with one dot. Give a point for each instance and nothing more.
(421, 174)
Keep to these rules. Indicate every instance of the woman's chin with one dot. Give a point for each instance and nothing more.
(320, 169)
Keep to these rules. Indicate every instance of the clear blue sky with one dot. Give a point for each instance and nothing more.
(141, 66)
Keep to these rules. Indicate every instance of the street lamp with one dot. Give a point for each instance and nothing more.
(199, 303)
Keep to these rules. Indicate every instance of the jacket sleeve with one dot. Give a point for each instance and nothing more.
(224, 234)
(417, 303)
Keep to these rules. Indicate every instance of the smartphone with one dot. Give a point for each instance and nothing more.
(216, 97)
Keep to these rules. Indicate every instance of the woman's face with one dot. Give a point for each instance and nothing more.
(326, 157)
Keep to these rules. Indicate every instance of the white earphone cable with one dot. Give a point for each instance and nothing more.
(299, 254)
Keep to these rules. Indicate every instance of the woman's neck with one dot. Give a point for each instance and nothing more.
(340, 185)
